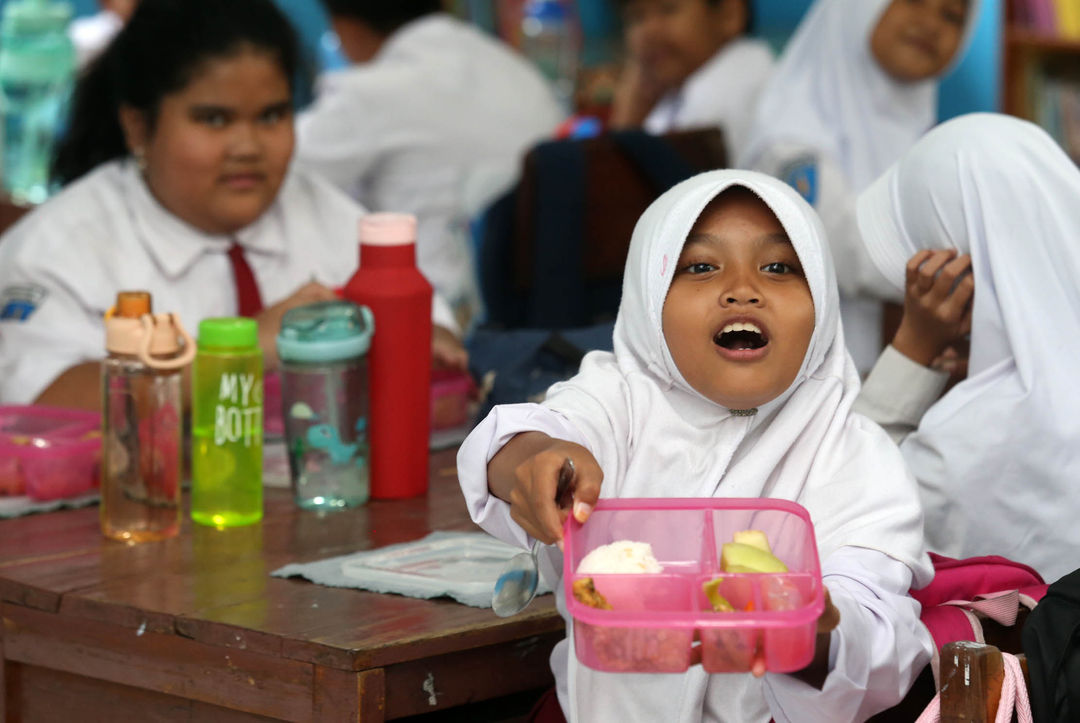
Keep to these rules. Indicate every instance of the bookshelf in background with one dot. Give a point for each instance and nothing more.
(1042, 67)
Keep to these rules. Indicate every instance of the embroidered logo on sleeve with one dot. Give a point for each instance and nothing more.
(19, 301)
(801, 174)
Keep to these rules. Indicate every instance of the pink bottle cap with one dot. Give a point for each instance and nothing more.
(388, 229)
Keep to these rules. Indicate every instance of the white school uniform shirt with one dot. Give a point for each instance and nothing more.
(92, 34)
(722, 92)
(996, 458)
(655, 436)
(435, 125)
(62, 264)
(830, 121)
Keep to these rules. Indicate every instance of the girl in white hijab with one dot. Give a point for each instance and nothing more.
(687, 406)
(997, 458)
(855, 87)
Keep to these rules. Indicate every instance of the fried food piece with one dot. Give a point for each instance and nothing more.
(586, 594)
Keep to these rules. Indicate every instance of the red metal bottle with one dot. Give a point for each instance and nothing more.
(399, 297)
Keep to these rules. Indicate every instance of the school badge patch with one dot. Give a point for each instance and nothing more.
(801, 174)
(19, 301)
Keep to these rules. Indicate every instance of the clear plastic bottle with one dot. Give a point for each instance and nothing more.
(227, 424)
(324, 378)
(550, 38)
(37, 67)
(142, 413)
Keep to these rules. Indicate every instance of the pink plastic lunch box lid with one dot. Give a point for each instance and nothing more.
(686, 537)
(34, 431)
(48, 452)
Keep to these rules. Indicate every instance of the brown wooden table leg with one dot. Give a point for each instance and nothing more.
(3, 675)
(343, 695)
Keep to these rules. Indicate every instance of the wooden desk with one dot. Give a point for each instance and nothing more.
(196, 629)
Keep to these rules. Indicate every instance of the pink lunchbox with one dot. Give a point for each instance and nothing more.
(48, 453)
(657, 619)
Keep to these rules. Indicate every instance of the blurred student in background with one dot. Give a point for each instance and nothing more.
(432, 119)
(855, 88)
(975, 227)
(689, 64)
(177, 182)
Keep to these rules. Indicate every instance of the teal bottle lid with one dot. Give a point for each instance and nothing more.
(35, 17)
(228, 332)
(325, 331)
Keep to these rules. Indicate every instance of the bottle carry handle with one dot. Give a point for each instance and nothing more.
(148, 336)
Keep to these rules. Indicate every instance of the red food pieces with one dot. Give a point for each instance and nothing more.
(11, 478)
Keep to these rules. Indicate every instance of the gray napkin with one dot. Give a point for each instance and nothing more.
(461, 565)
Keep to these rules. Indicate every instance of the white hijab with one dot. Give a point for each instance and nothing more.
(828, 92)
(804, 446)
(998, 457)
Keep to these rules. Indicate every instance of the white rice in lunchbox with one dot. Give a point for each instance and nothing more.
(620, 557)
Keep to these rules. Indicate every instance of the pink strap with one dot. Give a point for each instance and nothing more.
(1002, 607)
(1014, 697)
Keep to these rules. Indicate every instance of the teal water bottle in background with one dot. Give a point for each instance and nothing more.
(37, 67)
(227, 424)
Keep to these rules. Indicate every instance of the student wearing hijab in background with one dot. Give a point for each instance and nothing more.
(855, 88)
(178, 182)
(688, 407)
(976, 226)
(690, 65)
(432, 119)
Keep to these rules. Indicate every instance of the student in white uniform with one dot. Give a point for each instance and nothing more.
(433, 119)
(855, 87)
(179, 147)
(984, 205)
(688, 407)
(690, 65)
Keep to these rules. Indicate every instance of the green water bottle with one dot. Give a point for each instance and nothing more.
(227, 424)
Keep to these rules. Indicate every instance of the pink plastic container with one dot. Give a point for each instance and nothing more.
(49, 453)
(658, 617)
(449, 399)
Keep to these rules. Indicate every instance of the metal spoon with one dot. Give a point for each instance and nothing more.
(516, 586)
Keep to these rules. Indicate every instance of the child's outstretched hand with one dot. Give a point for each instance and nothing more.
(525, 473)
(937, 304)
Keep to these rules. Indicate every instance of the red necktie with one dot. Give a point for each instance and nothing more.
(248, 299)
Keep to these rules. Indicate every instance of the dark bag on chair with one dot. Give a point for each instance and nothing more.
(1052, 645)
(553, 249)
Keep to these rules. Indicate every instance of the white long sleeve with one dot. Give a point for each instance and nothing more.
(504, 421)
(898, 392)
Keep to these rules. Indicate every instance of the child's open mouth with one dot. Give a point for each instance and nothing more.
(743, 340)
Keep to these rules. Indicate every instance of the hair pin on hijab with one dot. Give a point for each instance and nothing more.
(743, 412)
